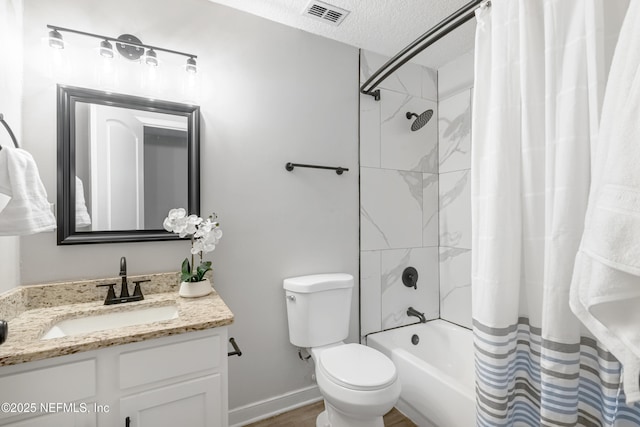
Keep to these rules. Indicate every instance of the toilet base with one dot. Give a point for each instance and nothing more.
(322, 420)
(331, 417)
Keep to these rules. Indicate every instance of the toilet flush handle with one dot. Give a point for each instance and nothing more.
(291, 297)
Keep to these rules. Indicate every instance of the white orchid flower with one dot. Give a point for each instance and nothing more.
(204, 227)
(205, 235)
(198, 246)
(171, 219)
(180, 227)
(178, 213)
(192, 222)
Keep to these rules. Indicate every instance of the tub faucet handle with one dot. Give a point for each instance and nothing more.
(410, 277)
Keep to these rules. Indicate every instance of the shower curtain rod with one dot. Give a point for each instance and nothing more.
(450, 23)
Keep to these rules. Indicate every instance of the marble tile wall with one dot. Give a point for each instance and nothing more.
(454, 160)
(398, 197)
(415, 194)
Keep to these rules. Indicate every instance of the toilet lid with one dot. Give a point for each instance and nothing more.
(357, 367)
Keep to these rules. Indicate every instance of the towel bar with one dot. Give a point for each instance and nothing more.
(339, 169)
(8, 128)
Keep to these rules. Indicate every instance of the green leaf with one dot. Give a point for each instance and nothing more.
(186, 267)
(186, 271)
(202, 269)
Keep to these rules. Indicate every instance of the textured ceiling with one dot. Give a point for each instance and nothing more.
(382, 26)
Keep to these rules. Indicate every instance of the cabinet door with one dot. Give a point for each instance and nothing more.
(59, 419)
(195, 403)
(57, 393)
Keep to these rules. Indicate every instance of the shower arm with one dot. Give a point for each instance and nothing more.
(444, 27)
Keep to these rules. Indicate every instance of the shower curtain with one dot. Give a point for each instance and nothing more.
(540, 75)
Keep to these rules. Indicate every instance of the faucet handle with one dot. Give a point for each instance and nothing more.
(410, 277)
(137, 291)
(111, 294)
(4, 330)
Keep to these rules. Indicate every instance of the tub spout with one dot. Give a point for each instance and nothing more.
(413, 312)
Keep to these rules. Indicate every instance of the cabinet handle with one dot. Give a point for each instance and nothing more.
(236, 350)
(127, 422)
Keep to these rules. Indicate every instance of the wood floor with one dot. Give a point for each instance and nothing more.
(306, 417)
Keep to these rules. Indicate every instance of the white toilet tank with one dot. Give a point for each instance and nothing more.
(318, 308)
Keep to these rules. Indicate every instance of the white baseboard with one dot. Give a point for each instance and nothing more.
(273, 406)
(410, 412)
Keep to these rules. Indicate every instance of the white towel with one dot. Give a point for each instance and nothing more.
(28, 211)
(605, 289)
(82, 215)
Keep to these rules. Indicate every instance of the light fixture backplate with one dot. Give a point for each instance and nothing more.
(130, 52)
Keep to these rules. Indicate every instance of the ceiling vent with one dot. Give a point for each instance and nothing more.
(325, 12)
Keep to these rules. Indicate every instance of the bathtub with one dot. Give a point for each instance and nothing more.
(437, 374)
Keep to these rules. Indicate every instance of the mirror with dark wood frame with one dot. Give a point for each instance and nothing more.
(123, 162)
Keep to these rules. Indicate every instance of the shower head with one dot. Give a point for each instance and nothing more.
(420, 120)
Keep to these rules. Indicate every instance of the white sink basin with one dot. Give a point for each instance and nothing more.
(101, 322)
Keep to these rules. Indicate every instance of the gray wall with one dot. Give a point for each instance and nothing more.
(269, 94)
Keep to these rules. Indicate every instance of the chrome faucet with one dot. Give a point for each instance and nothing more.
(413, 312)
(124, 291)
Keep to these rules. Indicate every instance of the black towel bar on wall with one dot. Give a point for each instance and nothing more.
(8, 128)
(290, 166)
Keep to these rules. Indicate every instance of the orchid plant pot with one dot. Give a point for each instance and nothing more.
(205, 234)
(195, 289)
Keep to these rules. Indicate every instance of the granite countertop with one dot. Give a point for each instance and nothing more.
(32, 310)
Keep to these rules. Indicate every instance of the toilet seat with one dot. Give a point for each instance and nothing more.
(357, 367)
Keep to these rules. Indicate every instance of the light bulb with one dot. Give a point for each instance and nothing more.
(151, 58)
(191, 66)
(106, 49)
(55, 40)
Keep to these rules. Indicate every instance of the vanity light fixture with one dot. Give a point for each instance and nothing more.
(191, 66)
(127, 45)
(151, 58)
(106, 49)
(55, 40)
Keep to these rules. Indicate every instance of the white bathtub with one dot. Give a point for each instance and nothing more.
(437, 374)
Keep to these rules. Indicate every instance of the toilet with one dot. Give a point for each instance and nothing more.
(359, 384)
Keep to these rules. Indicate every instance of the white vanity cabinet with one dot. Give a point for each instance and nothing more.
(56, 420)
(198, 398)
(179, 380)
(191, 403)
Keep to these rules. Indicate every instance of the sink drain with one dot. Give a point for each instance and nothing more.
(415, 339)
